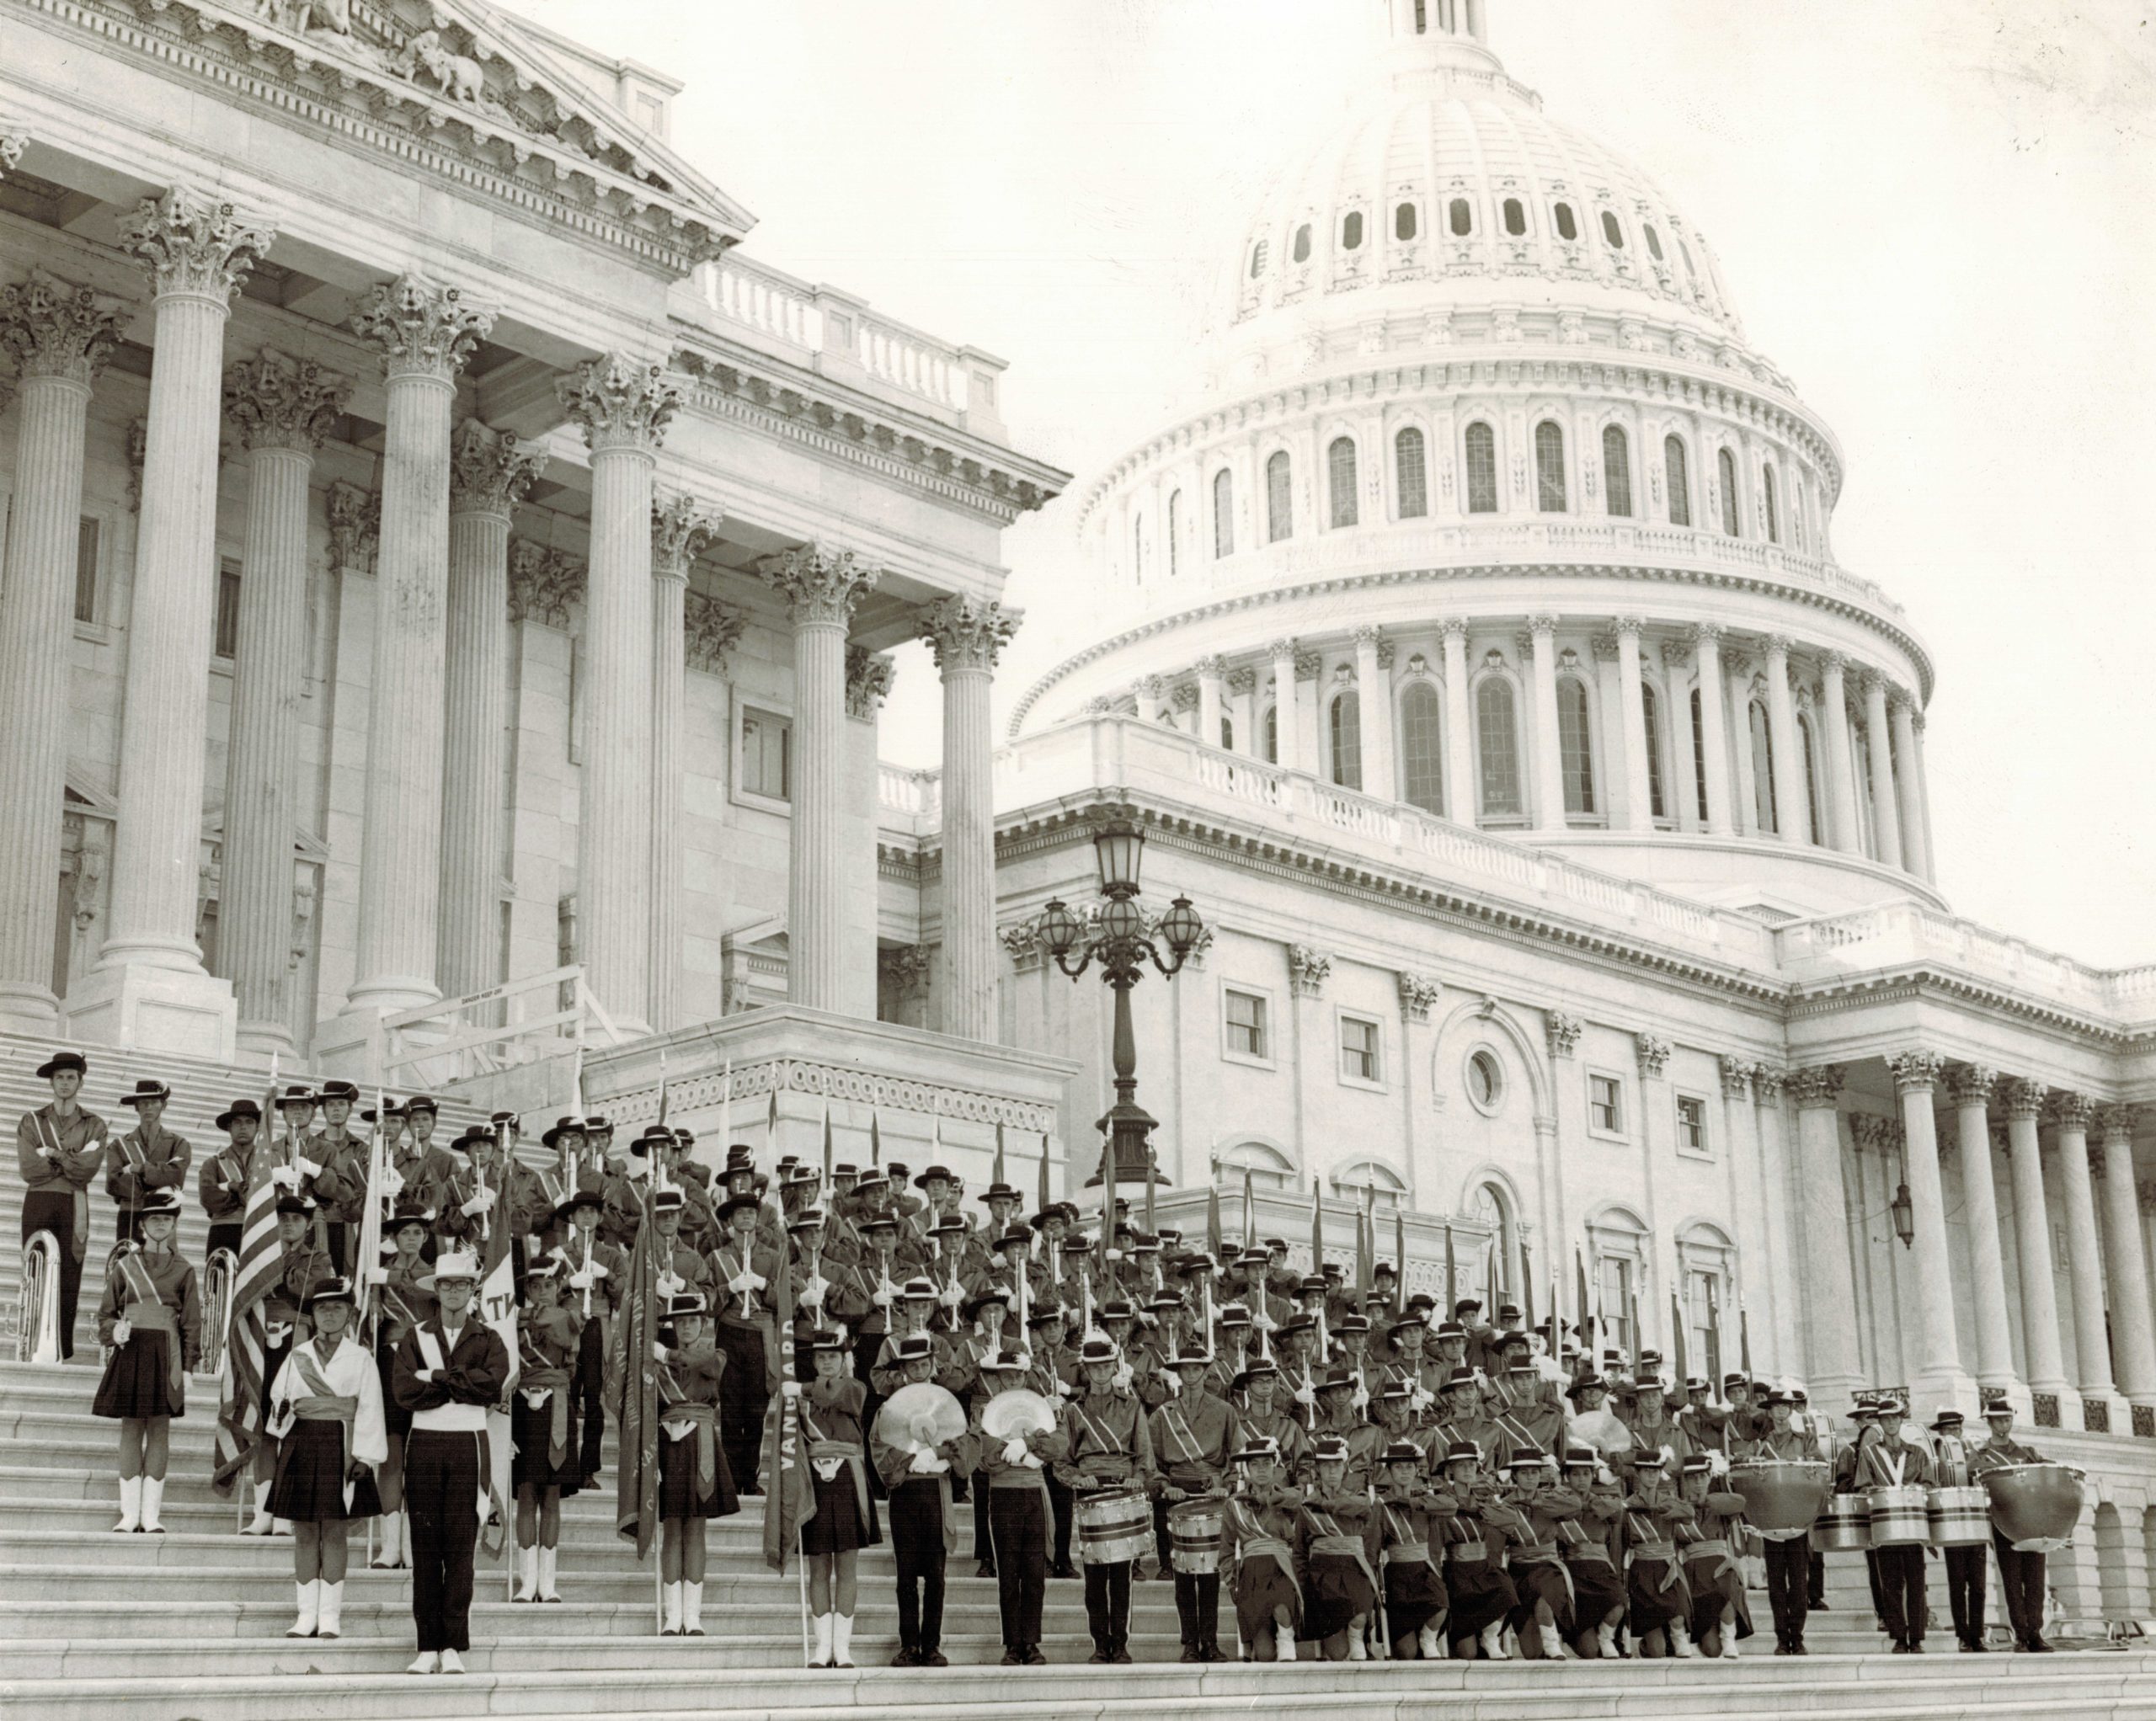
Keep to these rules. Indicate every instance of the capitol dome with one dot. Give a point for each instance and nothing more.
(1489, 514)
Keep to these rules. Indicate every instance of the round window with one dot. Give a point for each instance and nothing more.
(1486, 1080)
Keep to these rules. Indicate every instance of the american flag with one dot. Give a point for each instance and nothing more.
(241, 1389)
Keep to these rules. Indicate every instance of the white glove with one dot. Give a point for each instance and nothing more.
(882, 1299)
(668, 1284)
(287, 1176)
(927, 1463)
(658, 1351)
(423, 1374)
(811, 1294)
(792, 1389)
(1122, 1376)
(481, 1202)
(951, 1296)
(1014, 1452)
(1360, 1398)
(597, 1269)
(392, 1181)
(1063, 1389)
(122, 1331)
(743, 1282)
(1307, 1396)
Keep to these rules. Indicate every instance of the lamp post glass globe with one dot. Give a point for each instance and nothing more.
(1118, 849)
(1060, 929)
(1121, 920)
(1180, 927)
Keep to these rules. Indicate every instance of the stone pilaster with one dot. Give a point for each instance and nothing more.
(1885, 814)
(2044, 1359)
(1373, 695)
(1939, 1377)
(59, 336)
(966, 635)
(1714, 734)
(681, 529)
(1460, 799)
(283, 409)
(1970, 1087)
(821, 587)
(490, 472)
(1631, 704)
(1287, 730)
(623, 405)
(425, 332)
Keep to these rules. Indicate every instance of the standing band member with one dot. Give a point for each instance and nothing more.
(829, 1407)
(58, 1148)
(325, 1412)
(543, 1465)
(747, 1333)
(596, 1275)
(1111, 1449)
(152, 1319)
(917, 1484)
(694, 1482)
(1965, 1565)
(220, 1184)
(1789, 1558)
(1891, 1462)
(450, 1370)
(2021, 1575)
(148, 1157)
(405, 1303)
(1018, 1516)
(1193, 1437)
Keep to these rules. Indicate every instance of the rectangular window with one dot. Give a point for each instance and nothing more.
(1614, 1313)
(1691, 1124)
(1605, 1104)
(86, 570)
(227, 637)
(1358, 1049)
(1245, 1013)
(1703, 1316)
(766, 755)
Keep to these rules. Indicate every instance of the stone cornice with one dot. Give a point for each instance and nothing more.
(1905, 983)
(1334, 587)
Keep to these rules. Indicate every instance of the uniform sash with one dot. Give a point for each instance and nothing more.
(145, 1308)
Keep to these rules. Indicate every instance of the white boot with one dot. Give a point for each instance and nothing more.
(452, 1662)
(1553, 1646)
(154, 1501)
(310, 1617)
(1431, 1642)
(1605, 1639)
(1680, 1641)
(425, 1661)
(263, 1523)
(1493, 1641)
(1284, 1643)
(547, 1592)
(330, 1618)
(527, 1574)
(692, 1610)
(842, 1640)
(387, 1556)
(1729, 1642)
(821, 1655)
(1357, 1650)
(669, 1624)
(130, 1505)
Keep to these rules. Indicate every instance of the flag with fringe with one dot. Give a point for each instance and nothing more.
(633, 1395)
(789, 1498)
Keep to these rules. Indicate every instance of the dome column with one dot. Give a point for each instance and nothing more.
(1885, 816)
(1286, 730)
(1970, 1087)
(1639, 808)
(1211, 672)
(2133, 1330)
(1842, 825)
(1548, 763)
(1459, 734)
(1924, 793)
(1714, 732)
(1374, 703)
(1792, 807)
(1684, 763)
(1909, 798)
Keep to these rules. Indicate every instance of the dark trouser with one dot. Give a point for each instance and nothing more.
(588, 1387)
(1060, 1502)
(342, 1239)
(1017, 1525)
(1901, 1590)
(1108, 1605)
(43, 1211)
(1197, 1608)
(1877, 1577)
(1815, 1584)
(917, 1540)
(743, 1392)
(1163, 1543)
(1787, 1568)
(866, 1348)
(1965, 1591)
(224, 1233)
(983, 1547)
(442, 1471)
(2021, 1582)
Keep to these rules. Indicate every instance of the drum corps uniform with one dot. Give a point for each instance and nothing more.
(1890, 1462)
(57, 1157)
(1193, 1437)
(1789, 1558)
(2021, 1575)
(1965, 1565)
(148, 1157)
(1111, 1447)
(1018, 1517)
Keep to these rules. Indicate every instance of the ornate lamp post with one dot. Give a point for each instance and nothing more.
(1121, 945)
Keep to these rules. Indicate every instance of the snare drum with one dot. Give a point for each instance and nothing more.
(1114, 1526)
(1782, 1496)
(1194, 1536)
(1959, 1517)
(1844, 1522)
(1899, 1516)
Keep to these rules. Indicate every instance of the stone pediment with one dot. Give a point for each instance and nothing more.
(448, 84)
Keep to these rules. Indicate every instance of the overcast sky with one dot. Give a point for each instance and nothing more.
(1927, 209)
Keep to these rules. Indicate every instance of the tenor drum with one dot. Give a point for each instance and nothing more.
(2035, 1506)
(1959, 1517)
(1114, 1526)
(1783, 1497)
(1194, 1536)
(1844, 1522)
(1899, 1516)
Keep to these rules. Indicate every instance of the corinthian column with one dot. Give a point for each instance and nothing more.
(59, 336)
(623, 405)
(490, 471)
(197, 250)
(1908, 798)
(1830, 1340)
(1971, 1086)
(966, 635)
(425, 332)
(283, 409)
(1840, 798)
(1461, 800)
(1287, 730)
(1885, 817)
(1714, 736)
(2131, 1331)
(2084, 1260)
(2044, 1361)
(1374, 713)
(821, 587)
(1631, 704)
(1792, 806)
(681, 529)
(1940, 1377)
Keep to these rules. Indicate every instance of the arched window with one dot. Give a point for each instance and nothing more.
(1340, 479)
(1369, 1186)
(1422, 752)
(1651, 725)
(1257, 259)
(1344, 728)
(1421, 16)
(1279, 506)
(1351, 230)
(1403, 221)
(1617, 469)
(1175, 532)
(1515, 217)
(1773, 520)
(1272, 734)
(1461, 217)
(1725, 464)
(1489, 1209)
(1411, 477)
(1227, 733)
(1798, 504)
(1268, 1168)
(1567, 229)
(1810, 781)
(1699, 758)
(1762, 741)
(1302, 251)
(1575, 746)
(1611, 231)
(1481, 469)
(1223, 513)
(1496, 742)
(1654, 242)
(1549, 467)
(1680, 481)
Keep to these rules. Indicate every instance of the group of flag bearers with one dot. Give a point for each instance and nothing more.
(1371, 1477)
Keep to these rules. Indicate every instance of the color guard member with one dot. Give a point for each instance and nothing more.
(405, 1301)
(221, 1182)
(542, 1466)
(830, 1408)
(695, 1484)
(152, 1317)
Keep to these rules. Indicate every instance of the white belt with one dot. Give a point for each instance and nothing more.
(453, 1419)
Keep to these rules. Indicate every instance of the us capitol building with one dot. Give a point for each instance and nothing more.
(448, 584)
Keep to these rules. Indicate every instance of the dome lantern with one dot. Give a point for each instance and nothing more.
(1422, 33)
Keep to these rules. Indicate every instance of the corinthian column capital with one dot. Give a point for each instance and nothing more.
(50, 328)
(284, 403)
(868, 678)
(967, 633)
(194, 244)
(1971, 1083)
(1706, 635)
(421, 327)
(821, 585)
(13, 139)
(1916, 1072)
(620, 402)
(1820, 1086)
(490, 471)
(682, 528)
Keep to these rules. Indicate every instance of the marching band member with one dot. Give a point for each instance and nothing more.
(405, 1303)
(1018, 1514)
(740, 1274)
(1659, 1601)
(342, 1186)
(58, 1148)
(1339, 1418)
(1110, 1447)
(1718, 1617)
(221, 1182)
(1481, 1591)
(917, 1483)
(694, 1481)
(1332, 1535)
(1531, 1510)
(148, 1157)
(1847, 1463)
(326, 1414)
(2021, 1575)
(1964, 1566)
(152, 1317)
(1411, 1515)
(679, 1267)
(986, 1314)
(1594, 1554)
(543, 1465)
(596, 1276)
(1892, 1462)
(302, 1261)
(1257, 1534)
(1053, 1373)
(1788, 1559)
(1464, 1420)
(1195, 1441)
(1232, 1348)
(830, 1408)
(1262, 1419)
(450, 1369)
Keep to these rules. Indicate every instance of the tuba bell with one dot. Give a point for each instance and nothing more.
(37, 1312)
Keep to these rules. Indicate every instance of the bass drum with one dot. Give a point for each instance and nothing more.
(1844, 1522)
(2035, 1506)
(1783, 1497)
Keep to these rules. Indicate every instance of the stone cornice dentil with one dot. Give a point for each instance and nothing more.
(421, 327)
(620, 401)
(489, 470)
(194, 244)
(51, 327)
(284, 403)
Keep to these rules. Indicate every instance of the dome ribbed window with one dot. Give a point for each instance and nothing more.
(1351, 230)
(1654, 242)
(1762, 739)
(1339, 480)
(1422, 750)
(1272, 734)
(1497, 744)
(1223, 513)
(1567, 228)
(1575, 746)
(1462, 217)
(1611, 231)
(1549, 467)
(1175, 532)
(1699, 758)
(1680, 481)
(1345, 727)
(1257, 259)
(1515, 217)
(1481, 469)
(1279, 503)
(1810, 781)
(1651, 728)
(1403, 221)
(1302, 251)
(1411, 477)
(1617, 470)
(1725, 468)
(1773, 515)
